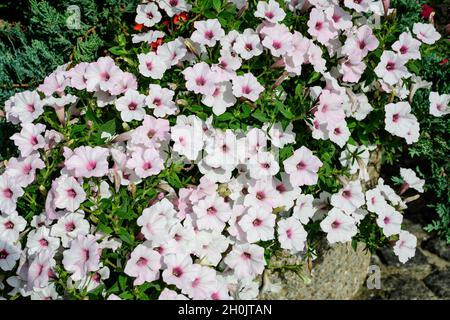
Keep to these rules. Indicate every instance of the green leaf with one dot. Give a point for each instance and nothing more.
(314, 76)
(225, 116)
(259, 115)
(123, 282)
(217, 4)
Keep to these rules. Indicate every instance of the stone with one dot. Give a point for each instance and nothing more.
(439, 283)
(438, 247)
(403, 287)
(338, 273)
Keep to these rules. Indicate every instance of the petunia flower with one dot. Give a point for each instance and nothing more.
(212, 213)
(405, 247)
(131, 106)
(390, 221)
(247, 86)
(271, 11)
(258, 225)
(82, 257)
(86, 162)
(411, 180)
(426, 32)
(161, 101)
(151, 65)
(407, 46)
(144, 265)
(248, 44)
(29, 139)
(148, 14)
(302, 167)
(392, 68)
(207, 32)
(338, 226)
(68, 194)
(9, 254)
(439, 104)
(291, 235)
(246, 260)
(200, 79)
(349, 198)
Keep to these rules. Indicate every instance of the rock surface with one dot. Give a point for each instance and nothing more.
(438, 247)
(439, 283)
(337, 274)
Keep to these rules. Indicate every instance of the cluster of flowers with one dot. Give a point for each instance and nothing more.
(245, 195)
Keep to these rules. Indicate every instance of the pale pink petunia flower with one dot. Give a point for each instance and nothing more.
(127, 82)
(173, 7)
(157, 220)
(40, 240)
(258, 225)
(375, 201)
(390, 221)
(176, 269)
(131, 106)
(426, 32)
(151, 65)
(263, 165)
(201, 281)
(277, 39)
(351, 68)
(148, 14)
(168, 294)
(144, 265)
(279, 136)
(9, 254)
(56, 82)
(405, 247)
(339, 226)
(152, 132)
(172, 52)
(271, 11)
(360, 43)
(24, 107)
(302, 167)
(207, 32)
(68, 194)
(248, 44)
(304, 209)
(11, 226)
(212, 213)
(102, 74)
(411, 180)
(407, 46)
(439, 104)
(77, 76)
(69, 226)
(82, 257)
(392, 68)
(30, 138)
(246, 260)
(291, 235)
(145, 162)
(88, 162)
(200, 79)
(349, 198)
(10, 191)
(339, 18)
(338, 133)
(330, 108)
(161, 101)
(320, 27)
(221, 99)
(262, 194)
(247, 86)
(401, 122)
(40, 269)
(23, 170)
(358, 5)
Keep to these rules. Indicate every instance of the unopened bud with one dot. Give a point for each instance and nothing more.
(125, 126)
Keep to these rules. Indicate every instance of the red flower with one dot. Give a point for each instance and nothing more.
(444, 61)
(138, 27)
(180, 18)
(426, 11)
(155, 44)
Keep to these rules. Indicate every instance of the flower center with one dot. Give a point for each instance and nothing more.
(289, 233)
(209, 34)
(132, 106)
(269, 15)
(390, 66)
(177, 272)
(30, 108)
(69, 226)
(246, 256)
(347, 194)
(142, 262)
(246, 90)
(7, 193)
(43, 242)
(200, 81)
(395, 117)
(9, 225)
(403, 49)
(147, 165)
(248, 47)
(3, 254)
(71, 193)
(301, 165)
(211, 211)
(91, 165)
(260, 195)
(34, 140)
(257, 222)
(335, 224)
